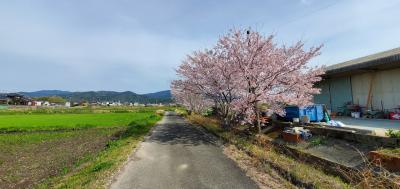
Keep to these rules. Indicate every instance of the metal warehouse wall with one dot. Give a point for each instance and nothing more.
(385, 91)
(324, 96)
(340, 93)
(335, 93)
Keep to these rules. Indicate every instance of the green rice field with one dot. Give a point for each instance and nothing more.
(68, 148)
(29, 122)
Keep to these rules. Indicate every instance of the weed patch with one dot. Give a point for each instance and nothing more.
(102, 165)
(298, 173)
(393, 133)
(317, 141)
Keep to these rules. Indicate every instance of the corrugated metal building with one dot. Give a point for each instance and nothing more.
(372, 82)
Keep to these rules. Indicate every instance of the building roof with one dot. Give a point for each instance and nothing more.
(383, 60)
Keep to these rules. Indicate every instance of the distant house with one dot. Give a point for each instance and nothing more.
(67, 104)
(37, 103)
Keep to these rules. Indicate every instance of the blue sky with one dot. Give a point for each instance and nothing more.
(121, 45)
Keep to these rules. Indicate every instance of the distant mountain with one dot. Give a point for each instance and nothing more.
(103, 96)
(161, 94)
(43, 93)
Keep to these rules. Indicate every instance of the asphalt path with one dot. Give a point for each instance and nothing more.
(179, 155)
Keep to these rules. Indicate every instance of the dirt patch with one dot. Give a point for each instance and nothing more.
(29, 158)
(262, 174)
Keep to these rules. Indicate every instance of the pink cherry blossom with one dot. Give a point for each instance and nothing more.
(243, 71)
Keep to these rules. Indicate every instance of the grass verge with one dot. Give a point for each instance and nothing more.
(298, 173)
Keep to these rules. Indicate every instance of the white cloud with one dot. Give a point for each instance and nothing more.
(126, 45)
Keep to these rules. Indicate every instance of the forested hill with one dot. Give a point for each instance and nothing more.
(101, 96)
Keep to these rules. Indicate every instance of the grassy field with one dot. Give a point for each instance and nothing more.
(68, 148)
(30, 122)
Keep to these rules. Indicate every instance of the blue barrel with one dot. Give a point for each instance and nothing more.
(314, 112)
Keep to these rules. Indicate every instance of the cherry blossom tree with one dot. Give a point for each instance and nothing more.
(245, 70)
(193, 102)
(207, 75)
(268, 74)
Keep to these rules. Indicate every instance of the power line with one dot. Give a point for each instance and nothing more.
(308, 14)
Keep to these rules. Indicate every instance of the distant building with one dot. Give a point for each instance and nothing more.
(67, 104)
(37, 103)
(371, 82)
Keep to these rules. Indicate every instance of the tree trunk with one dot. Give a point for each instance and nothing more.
(226, 125)
(258, 122)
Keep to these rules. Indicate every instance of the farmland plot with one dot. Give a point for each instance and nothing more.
(67, 150)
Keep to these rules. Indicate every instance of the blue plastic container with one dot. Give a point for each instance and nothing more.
(314, 112)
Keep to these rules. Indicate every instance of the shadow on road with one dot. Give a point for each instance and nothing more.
(175, 130)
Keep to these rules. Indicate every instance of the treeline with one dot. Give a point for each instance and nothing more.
(51, 99)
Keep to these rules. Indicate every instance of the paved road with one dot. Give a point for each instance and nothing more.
(178, 155)
(369, 124)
